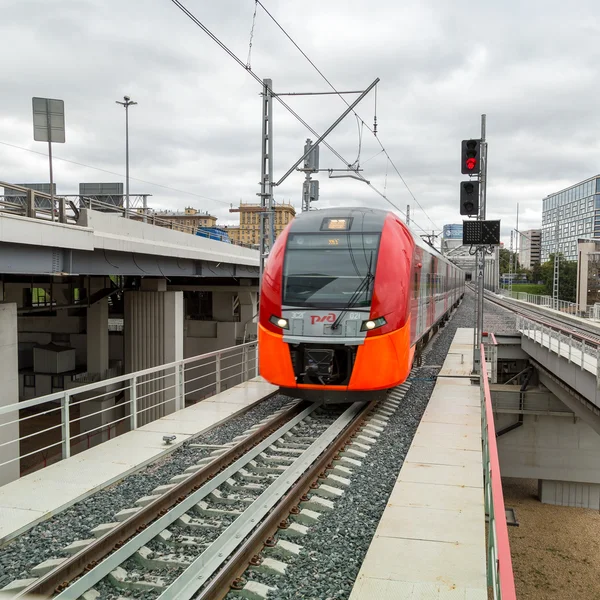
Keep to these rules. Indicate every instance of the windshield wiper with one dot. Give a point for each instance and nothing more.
(365, 283)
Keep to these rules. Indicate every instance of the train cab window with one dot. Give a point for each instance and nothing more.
(328, 269)
(416, 285)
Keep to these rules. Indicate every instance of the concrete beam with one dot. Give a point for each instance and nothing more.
(19, 259)
(583, 382)
(578, 404)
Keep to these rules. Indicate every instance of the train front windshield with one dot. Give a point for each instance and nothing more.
(326, 270)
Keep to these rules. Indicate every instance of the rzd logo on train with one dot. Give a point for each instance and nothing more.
(330, 318)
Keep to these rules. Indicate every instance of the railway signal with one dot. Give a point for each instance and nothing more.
(469, 198)
(470, 157)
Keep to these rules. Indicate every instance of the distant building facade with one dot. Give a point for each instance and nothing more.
(451, 237)
(569, 214)
(187, 221)
(530, 248)
(248, 231)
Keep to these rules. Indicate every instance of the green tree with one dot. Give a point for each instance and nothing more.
(505, 255)
(567, 277)
(536, 273)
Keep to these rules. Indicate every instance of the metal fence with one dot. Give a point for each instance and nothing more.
(53, 427)
(564, 306)
(27, 202)
(580, 349)
(499, 561)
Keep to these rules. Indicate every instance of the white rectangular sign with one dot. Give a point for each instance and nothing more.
(48, 120)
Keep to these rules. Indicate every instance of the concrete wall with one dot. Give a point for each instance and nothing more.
(9, 390)
(567, 493)
(552, 448)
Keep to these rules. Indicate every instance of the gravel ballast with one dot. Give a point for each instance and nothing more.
(47, 539)
(334, 549)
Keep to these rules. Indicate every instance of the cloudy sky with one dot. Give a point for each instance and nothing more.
(530, 65)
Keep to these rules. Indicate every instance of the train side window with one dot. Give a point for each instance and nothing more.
(416, 285)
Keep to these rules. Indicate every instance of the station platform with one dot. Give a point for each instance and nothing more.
(42, 494)
(431, 540)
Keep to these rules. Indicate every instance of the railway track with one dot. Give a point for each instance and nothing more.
(202, 532)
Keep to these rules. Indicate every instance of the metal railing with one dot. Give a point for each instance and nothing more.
(66, 209)
(564, 306)
(582, 350)
(43, 430)
(499, 561)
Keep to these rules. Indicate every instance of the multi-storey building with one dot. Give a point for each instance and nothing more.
(248, 231)
(571, 213)
(188, 221)
(530, 248)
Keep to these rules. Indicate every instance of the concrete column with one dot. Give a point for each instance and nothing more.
(9, 391)
(248, 315)
(223, 306)
(97, 337)
(154, 336)
(97, 353)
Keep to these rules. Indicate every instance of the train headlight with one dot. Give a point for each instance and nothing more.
(373, 324)
(280, 322)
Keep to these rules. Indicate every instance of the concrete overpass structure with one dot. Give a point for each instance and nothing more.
(546, 399)
(166, 295)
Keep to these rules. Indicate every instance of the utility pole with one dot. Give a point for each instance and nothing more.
(267, 226)
(408, 215)
(517, 241)
(128, 102)
(267, 223)
(556, 268)
(510, 265)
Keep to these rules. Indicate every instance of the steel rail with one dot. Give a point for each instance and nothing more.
(57, 580)
(218, 587)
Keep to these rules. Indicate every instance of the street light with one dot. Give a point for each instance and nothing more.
(128, 102)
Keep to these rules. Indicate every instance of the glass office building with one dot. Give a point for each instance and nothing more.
(571, 213)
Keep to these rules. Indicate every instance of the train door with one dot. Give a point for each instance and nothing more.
(431, 292)
(416, 309)
(446, 288)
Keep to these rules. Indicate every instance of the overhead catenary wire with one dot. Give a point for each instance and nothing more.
(196, 21)
(347, 104)
(199, 23)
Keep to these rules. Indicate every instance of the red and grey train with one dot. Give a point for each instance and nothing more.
(348, 295)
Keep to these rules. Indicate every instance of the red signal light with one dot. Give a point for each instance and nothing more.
(471, 163)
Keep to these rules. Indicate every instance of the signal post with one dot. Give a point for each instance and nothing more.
(479, 234)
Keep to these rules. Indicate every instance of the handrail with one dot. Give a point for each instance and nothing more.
(595, 341)
(500, 571)
(120, 378)
(125, 402)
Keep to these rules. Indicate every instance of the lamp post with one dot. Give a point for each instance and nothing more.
(128, 102)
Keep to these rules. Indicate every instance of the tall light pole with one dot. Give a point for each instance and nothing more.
(128, 102)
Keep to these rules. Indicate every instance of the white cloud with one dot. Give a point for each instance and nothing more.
(531, 66)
